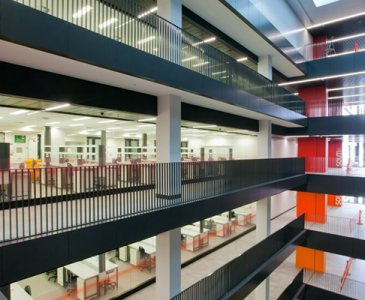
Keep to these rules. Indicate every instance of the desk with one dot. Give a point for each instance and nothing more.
(110, 267)
(18, 293)
(149, 246)
(224, 226)
(87, 280)
(243, 218)
(194, 238)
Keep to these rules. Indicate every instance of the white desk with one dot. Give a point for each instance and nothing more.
(224, 226)
(194, 238)
(18, 293)
(243, 218)
(149, 245)
(87, 280)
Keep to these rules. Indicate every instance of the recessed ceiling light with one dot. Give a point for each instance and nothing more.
(146, 120)
(131, 129)
(205, 126)
(7, 131)
(108, 121)
(189, 58)
(242, 59)
(52, 123)
(126, 135)
(319, 3)
(76, 125)
(201, 64)
(147, 12)
(57, 107)
(346, 88)
(1, 117)
(345, 96)
(149, 125)
(19, 112)
(31, 126)
(82, 12)
(81, 119)
(33, 113)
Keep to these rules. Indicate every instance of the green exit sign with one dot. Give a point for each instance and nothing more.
(21, 139)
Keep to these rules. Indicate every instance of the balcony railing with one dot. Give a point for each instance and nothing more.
(340, 106)
(34, 202)
(336, 284)
(349, 227)
(335, 47)
(131, 24)
(334, 166)
(222, 281)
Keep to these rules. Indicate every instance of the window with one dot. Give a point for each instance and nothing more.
(319, 3)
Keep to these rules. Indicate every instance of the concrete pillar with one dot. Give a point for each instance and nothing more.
(102, 262)
(265, 66)
(170, 10)
(47, 143)
(263, 212)
(102, 149)
(168, 150)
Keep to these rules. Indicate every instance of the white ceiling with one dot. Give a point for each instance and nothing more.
(311, 15)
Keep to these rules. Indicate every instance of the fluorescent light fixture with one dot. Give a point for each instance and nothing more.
(30, 126)
(201, 64)
(146, 120)
(19, 112)
(147, 12)
(185, 139)
(296, 94)
(321, 78)
(337, 20)
(33, 113)
(319, 3)
(132, 129)
(346, 88)
(208, 40)
(7, 131)
(139, 135)
(217, 73)
(1, 117)
(349, 37)
(242, 59)
(150, 38)
(72, 134)
(149, 125)
(108, 121)
(113, 128)
(205, 126)
(52, 123)
(82, 12)
(238, 131)
(189, 58)
(57, 107)
(346, 96)
(81, 119)
(126, 135)
(108, 23)
(76, 125)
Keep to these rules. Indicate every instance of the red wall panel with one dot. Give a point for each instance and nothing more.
(315, 151)
(316, 101)
(319, 45)
(335, 154)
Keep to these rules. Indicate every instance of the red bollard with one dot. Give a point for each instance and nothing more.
(360, 213)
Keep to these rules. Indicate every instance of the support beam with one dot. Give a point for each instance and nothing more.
(265, 66)
(168, 148)
(263, 211)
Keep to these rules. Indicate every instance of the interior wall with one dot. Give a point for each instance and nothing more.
(282, 147)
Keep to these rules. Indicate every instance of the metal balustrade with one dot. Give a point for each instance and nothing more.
(334, 166)
(335, 47)
(129, 23)
(39, 201)
(351, 288)
(341, 106)
(350, 227)
(222, 281)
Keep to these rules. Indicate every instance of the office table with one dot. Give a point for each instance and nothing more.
(149, 246)
(87, 280)
(18, 293)
(194, 238)
(224, 226)
(243, 218)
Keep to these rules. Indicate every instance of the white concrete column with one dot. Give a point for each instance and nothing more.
(170, 10)
(102, 149)
(263, 211)
(265, 66)
(168, 244)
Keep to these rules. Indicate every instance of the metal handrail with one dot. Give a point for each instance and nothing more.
(130, 23)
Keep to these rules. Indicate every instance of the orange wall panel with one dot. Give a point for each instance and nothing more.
(313, 205)
(310, 259)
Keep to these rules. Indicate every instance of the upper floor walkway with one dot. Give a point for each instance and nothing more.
(128, 39)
